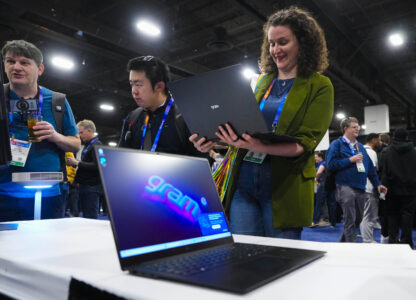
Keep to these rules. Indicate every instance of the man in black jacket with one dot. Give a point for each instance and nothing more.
(398, 173)
(87, 176)
(156, 125)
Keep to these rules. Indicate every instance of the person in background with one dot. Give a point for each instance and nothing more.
(384, 235)
(348, 158)
(87, 177)
(371, 204)
(156, 125)
(322, 195)
(274, 196)
(23, 64)
(398, 173)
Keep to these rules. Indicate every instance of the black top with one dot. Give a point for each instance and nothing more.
(398, 168)
(174, 137)
(87, 172)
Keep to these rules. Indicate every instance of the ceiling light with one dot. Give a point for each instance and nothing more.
(363, 126)
(396, 39)
(248, 73)
(340, 115)
(107, 107)
(95, 133)
(112, 144)
(63, 62)
(148, 28)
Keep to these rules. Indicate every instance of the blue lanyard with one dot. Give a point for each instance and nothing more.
(88, 147)
(146, 121)
(280, 108)
(40, 104)
(353, 151)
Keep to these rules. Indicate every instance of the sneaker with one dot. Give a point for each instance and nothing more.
(384, 239)
(323, 223)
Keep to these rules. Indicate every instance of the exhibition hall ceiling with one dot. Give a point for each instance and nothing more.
(202, 35)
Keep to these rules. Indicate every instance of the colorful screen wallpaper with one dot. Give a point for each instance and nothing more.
(157, 199)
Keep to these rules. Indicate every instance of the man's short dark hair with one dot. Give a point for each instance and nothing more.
(346, 122)
(23, 48)
(320, 154)
(154, 68)
(401, 134)
(371, 136)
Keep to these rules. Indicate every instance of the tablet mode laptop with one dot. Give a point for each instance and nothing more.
(168, 222)
(214, 98)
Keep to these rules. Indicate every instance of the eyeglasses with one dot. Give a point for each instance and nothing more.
(355, 127)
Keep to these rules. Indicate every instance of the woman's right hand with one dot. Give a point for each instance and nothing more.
(202, 145)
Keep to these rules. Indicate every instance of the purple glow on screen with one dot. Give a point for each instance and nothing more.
(173, 198)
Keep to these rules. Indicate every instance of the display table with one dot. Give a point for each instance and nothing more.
(38, 260)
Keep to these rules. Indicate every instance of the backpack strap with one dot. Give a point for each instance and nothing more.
(127, 125)
(58, 110)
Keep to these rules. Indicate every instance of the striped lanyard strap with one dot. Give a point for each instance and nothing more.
(146, 121)
(87, 147)
(280, 108)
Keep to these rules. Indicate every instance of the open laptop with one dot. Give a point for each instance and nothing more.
(222, 96)
(168, 222)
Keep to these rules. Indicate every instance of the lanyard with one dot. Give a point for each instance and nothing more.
(40, 104)
(88, 146)
(38, 112)
(352, 147)
(280, 108)
(146, 121)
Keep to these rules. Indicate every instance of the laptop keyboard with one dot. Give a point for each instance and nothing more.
(205, 260)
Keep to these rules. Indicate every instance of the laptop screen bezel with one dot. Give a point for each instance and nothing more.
(127, 262)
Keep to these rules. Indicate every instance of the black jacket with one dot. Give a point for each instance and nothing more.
(398, 168)
(87, 172)
(174, 137)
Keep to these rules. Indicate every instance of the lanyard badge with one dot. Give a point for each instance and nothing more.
(146, 121)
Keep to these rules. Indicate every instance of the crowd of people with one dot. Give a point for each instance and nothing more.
(271, 195)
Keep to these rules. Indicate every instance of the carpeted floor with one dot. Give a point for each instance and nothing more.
(328, 234)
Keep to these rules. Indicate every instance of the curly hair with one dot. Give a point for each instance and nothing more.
(313, 53)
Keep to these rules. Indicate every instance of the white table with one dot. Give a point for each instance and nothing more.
(38, 260)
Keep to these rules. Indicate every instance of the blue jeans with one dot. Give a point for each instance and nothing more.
(20, 209)
(322, 196)
(89, 197)
(251, 210)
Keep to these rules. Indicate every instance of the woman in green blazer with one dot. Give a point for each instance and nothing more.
(272, 194)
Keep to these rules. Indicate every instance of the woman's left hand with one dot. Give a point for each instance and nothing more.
(227, 135)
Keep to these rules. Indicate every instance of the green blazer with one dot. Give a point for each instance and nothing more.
(306, 115)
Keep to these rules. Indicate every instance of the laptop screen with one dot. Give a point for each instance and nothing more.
(159, 201)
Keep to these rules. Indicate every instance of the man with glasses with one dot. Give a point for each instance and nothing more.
(156, 125)
(352, 166)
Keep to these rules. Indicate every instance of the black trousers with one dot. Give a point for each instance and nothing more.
(400, 210)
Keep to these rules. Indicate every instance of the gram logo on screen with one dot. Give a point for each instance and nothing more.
(174, 198)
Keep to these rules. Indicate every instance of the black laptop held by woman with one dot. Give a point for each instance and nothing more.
(214, 98)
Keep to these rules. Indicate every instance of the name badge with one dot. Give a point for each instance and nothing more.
(360, 167)
(255, 157)
(20, 151)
